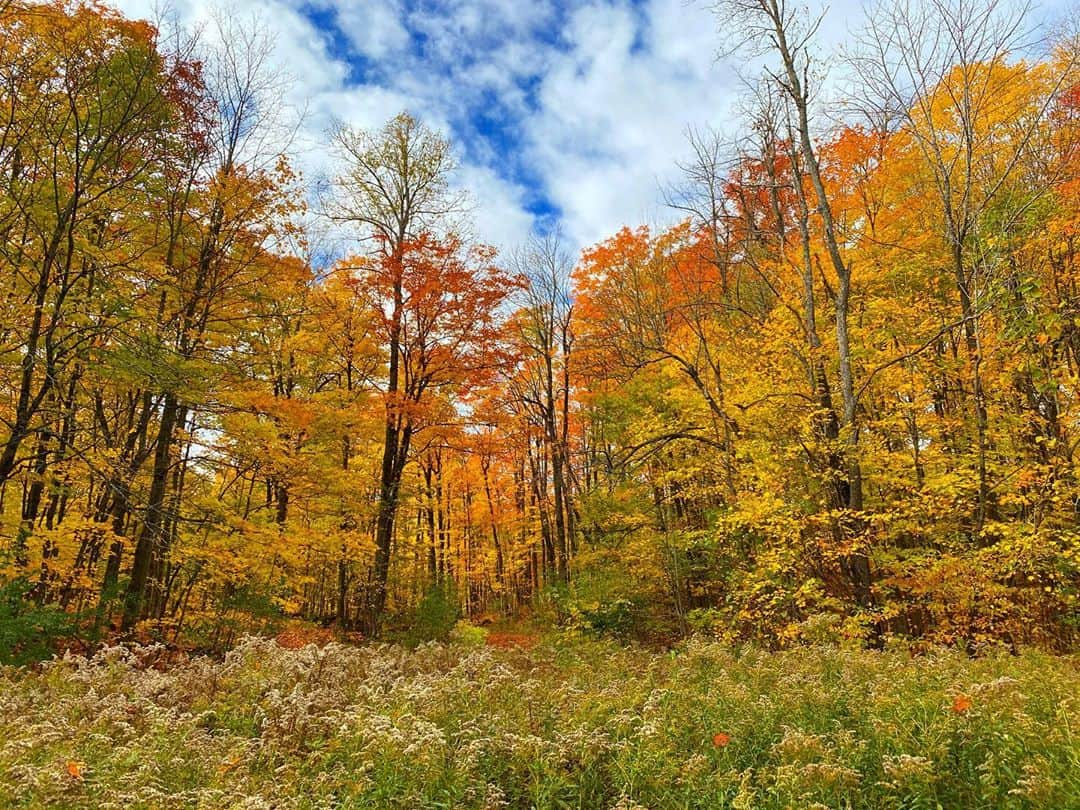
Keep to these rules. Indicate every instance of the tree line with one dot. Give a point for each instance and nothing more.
(837, 399)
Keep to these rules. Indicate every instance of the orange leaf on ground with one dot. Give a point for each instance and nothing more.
(505, 641)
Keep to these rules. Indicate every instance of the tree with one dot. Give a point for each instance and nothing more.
(395, 188)
(76, 149)
(226, 202)
(544, 330)
(779, 27)
(937, 73)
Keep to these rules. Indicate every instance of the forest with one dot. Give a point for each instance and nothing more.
(827, 413)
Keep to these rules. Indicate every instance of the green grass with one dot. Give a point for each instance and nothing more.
(576, 724)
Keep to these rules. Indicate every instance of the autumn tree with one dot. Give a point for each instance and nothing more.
(86, 94)
(542, 383)
(225, 208)
(938, 74)
(395, 187)
(781, 29)
(210, 425)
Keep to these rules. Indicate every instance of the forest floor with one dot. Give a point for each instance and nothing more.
(524, 722)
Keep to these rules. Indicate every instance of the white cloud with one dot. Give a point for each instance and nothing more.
(498, 206)
(320, 87)
(614, 109)
(584, 104)
(376, 30)
(591, 103)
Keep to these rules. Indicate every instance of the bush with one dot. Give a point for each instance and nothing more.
(29, 632)
(706, 621)
(613, 619)
(436, 615)
(468, 635)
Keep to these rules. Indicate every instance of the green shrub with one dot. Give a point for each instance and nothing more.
(436, 615)
(467, 634)
(614, 619)
(707, 621)
(29, 632)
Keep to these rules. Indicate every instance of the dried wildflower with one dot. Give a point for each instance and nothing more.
(268, 727)
(815, 776)
(1037, 784)
(904, 769)
(627, 803)
(494, 797)
(799, 746)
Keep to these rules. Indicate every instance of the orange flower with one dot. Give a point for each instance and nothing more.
(961, 703)
(75, 769)
(225, 767)
(721, 739)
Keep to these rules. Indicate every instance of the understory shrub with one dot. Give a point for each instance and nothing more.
(29, 631)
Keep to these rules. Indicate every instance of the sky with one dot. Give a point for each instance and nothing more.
(565, 115)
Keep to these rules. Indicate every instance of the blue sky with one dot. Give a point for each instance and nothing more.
(565, 114)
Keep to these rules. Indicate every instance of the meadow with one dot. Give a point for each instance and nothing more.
(565, 722)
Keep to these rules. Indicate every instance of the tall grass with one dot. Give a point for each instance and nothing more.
(582, 724)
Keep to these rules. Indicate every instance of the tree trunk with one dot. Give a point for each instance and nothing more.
(151, 538)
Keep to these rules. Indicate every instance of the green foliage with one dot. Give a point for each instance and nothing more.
(705, 621)
(436, 615)
(598, 603)
(467, 634)
(29, 632)
(248, 608)
(613, 619)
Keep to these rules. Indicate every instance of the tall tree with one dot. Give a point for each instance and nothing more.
(545, 330)
(394, 188)
(937, 73)
(783, 30)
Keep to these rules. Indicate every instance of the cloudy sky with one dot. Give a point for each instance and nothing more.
(567, 114)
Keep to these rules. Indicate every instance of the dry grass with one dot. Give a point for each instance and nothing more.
(570, 724)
